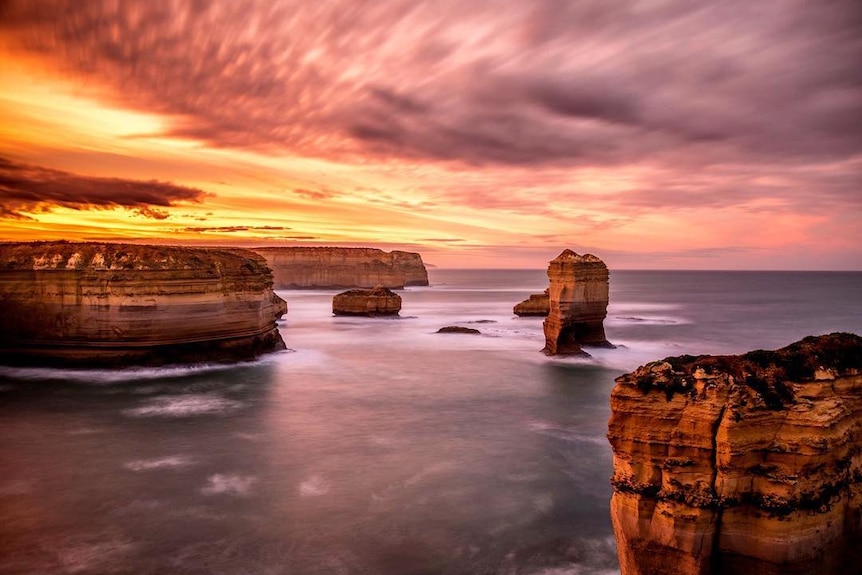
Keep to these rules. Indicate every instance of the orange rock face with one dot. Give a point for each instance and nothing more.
(379, 301)
(745, 464)
(328, 267)
(535, 305)
(578, 303)
(113, 305)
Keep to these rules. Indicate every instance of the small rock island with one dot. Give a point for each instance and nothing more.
(578, 304)
(66, 304)
(459, 329)
(379, 301)
(741, 465)
(307, 267)
(537, 305)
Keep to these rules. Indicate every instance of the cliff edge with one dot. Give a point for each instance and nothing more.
(331, 267)
(746, 464)
(113, 305)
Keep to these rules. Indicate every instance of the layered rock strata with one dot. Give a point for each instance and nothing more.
(380, 301)
(112, 305)
(578, 303)
(537, 305)
(329, 267)
(745, 464)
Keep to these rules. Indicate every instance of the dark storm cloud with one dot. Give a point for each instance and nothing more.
(485, 82)
(586, 100)
(31, 189)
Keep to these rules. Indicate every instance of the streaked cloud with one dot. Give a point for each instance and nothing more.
(630, 123)
(442, 240)
(487, 81)
(231, 229)
(314, 194)
(27, 189)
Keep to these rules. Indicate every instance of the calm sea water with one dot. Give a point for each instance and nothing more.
(376, 446)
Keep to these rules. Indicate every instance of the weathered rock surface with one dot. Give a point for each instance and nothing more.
(459, 329)
(746, 464)
(114, 305)
(578, 304)
(536, 305)
(376, 302)
(330, 267)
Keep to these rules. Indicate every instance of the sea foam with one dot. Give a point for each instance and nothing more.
(185, 405)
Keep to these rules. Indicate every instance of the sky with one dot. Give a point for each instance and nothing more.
(662, 134)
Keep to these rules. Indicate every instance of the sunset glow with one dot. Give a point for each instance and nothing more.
(481, 134)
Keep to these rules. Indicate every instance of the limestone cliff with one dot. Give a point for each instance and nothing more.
(578, 303)
(745, 464)
(536, 305)
(330, 267)
(376, 302)
(112, 305)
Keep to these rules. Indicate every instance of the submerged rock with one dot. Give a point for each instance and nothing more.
(379, 301)
(334, 267)
(67, 304)
(746, 464)
(578, 303)
(536, 305)
(458, 329)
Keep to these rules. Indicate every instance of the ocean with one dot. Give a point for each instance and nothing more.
(373, 446)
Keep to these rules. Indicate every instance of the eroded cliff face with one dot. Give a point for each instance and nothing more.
(380, 301)
(330, 267)
(745, 464)
(113, 305)
(578, 303)
(536, 305)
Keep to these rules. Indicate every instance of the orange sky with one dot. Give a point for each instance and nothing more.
(482, 134)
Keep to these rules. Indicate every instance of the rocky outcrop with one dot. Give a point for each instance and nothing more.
(578, 303)
(459, 329)
(537, 305)
(376, 302)
(114, 305)
(330, 267)
(745, 464)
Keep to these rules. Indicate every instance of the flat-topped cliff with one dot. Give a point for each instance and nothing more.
(332, 267)
(746, 464)
(577, 304)
(111, 305)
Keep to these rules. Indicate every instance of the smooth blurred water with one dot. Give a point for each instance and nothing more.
(377, 445)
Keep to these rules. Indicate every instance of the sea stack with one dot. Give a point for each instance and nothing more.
(307, 267)
(537, 305)
(459, 329)
(578, 303)
(741, 465)
(379, 301)
(65, 304)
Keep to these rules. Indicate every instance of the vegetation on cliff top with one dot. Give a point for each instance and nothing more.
(768, 373)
